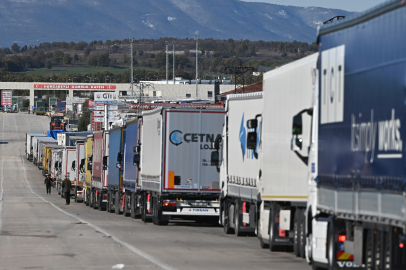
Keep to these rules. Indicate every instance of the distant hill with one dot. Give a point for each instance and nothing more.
(37, 21)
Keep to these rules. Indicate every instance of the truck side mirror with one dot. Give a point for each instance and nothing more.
(82, 164)
(214, 158)
(215, 145)
(89, 159)
(252, 140)
(252, 123)
(137, 149)
(119, 157)
(297, 124)
(105, 161)
(73, 165)
(136, 160)
(89, 166)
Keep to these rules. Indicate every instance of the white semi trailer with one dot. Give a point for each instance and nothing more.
(176, 175)
(282, 174)
(238, 165)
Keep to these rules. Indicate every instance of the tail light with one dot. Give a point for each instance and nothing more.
(342, 238)
(169, 204)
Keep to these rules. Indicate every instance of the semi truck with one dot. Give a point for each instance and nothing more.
(66, 157)
(131, 185)
(87, 166)
(97, 194)
(36, 148)
(41, 154)
(76, 166)
(40, 108)
(53, 163)
(355, 216)
(116, 195)
(176, 175)
(46, 152)
(238, 165)
(29, 143)
(282, 185)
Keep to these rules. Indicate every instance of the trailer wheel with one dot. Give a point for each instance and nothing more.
(331, 252)
(296, 238)
(133, 203)
(302, 229)
(237, 218)
(94, 199)
(226, 218)
(100, 201)
(125, 206)
(271, 226)
(156, 218)
(108, 207)
(87, 197)
(91, 198)
(117, 203)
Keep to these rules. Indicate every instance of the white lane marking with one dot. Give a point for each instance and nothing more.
(130, 247)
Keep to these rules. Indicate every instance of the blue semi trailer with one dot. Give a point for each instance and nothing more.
(113, 179)
(356, 214)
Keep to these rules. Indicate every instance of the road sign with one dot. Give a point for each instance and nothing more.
(113, 108)
(7, 106)
(113, 113)
(6, 97)
(33, 107)
(98, 119)
(98, 113)
(105, 98)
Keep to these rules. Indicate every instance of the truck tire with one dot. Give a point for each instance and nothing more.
(226, 219)
(86, 197)
(91, 198)
(133, 203)
(296, 238)
(271, 225)
(126, 211)
(237, 219)
(302, 230)
(100, 201)
(117, 203)
(331, 251)
(94, 199)
(156, 218)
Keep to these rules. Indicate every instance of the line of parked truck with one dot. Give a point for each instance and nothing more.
(314, 164)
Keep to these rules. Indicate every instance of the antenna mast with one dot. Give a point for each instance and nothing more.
(197, 61)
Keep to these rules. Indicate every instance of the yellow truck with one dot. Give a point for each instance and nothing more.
(87, 168)
(45, 156)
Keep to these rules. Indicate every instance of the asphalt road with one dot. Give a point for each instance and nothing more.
(38, 231)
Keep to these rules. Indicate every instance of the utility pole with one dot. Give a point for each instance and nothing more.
(132, 73)
(173, 63)
(167, 63)
(197, 61)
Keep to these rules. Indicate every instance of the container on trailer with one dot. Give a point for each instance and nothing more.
(36, 147)
(29, 144)
(88, 168)
(41, 153)
(66, 157)
(177, 178)
(356, 207)
(282, 176)
(239, 165)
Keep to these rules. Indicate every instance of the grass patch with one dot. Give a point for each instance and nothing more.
(82, 70)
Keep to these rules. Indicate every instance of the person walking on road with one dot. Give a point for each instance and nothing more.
(66, 186)
(48, 183)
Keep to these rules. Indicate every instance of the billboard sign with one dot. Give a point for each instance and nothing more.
(98, 113)
(6, 97)
(105, 98)
(73, 86)
(98, 119)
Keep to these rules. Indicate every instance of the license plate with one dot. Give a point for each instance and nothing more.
(199, 204)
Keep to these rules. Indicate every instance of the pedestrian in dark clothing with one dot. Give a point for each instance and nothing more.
(66, 186)
(48, 183)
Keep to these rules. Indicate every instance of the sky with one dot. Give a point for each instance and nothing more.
(349, 5)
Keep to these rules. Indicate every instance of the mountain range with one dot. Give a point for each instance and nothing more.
(36, 21)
